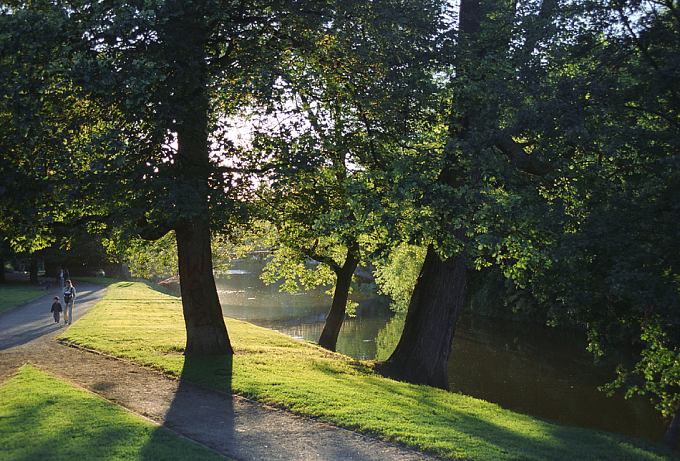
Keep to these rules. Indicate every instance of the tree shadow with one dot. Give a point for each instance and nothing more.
(198, 413)
(29, 335)
(59, 422)
(475, 426)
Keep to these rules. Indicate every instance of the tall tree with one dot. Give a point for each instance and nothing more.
(342, 106)
(492, 64)
(562, 147)
(171, 73)
(422, 354)
(43, 120)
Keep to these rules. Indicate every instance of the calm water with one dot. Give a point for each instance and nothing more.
(538, 371)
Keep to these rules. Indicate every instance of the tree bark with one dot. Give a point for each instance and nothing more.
(672, 434)
(335, 317)
(203, 319)
(33, 270)
(2, 270)
(422, 355)
(187, 37)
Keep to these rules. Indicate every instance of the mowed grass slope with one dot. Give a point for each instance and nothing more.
(140, 324)
(42, 417)
(13, 294)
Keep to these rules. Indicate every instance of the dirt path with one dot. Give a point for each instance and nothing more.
(230, 425)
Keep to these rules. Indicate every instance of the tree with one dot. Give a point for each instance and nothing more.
(170, 74)
(42, 120)
(305, 231)
(560, 170)
(422, 354)
(621, 255)
(342, 105)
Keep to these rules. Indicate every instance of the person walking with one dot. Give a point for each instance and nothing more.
(69, 297)
(60, 279)
(56, 309)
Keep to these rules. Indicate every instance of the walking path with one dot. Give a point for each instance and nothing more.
(33, 320)
(231, 425)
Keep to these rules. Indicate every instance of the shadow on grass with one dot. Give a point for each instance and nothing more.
(55, 421)
(197, 413)
(485, 430)
(544, 439)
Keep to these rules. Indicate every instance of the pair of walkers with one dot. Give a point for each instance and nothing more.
(69, 298)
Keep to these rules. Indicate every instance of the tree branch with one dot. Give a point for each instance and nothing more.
(518, 156)
(327, 260)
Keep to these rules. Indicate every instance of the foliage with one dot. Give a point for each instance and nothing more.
(153, 260)
(614, 204)
(338, 107)
(656, 374)
(388, 337)
(396, 275)
(157, 259)
(559, 167)
(295, 271)
(45, 119)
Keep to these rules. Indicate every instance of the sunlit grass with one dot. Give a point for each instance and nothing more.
(137, 323)
(42, 417)
(105, 281)
(15, 294)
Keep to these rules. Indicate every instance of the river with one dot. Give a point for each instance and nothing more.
(535, 370)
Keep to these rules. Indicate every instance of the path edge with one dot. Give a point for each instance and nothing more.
(267, 406)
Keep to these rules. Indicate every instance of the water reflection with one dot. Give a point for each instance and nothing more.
(533, 370)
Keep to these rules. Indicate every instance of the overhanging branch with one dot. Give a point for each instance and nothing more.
(519, 158)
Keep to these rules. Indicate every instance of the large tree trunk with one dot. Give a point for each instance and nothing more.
(187, 36)
(331, 329)
(206, 332)
(33, 270)
(422, 355)
(672, 434)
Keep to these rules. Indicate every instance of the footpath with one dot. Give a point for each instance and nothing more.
(233, 426)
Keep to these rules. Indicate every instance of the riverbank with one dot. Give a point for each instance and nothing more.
(137, 323)
(44, 417)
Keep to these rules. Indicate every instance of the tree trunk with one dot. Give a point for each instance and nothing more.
(672, 434)
(125, 272)
(331, 329)
(33, 270)
(422, 355)
(186, 35)
(203, 318)
(51, 268)
(2, 270)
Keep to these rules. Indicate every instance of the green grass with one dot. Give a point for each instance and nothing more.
(16, 294)
(105, 281)
(42, 417)
(137, 323)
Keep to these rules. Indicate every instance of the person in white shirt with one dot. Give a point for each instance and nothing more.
(69, 297)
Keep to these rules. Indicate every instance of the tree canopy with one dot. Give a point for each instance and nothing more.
(538, 140)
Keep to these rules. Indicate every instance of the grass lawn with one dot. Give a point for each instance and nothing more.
(42, 417)
(104, 281)
(135, 322)
(13, 294)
